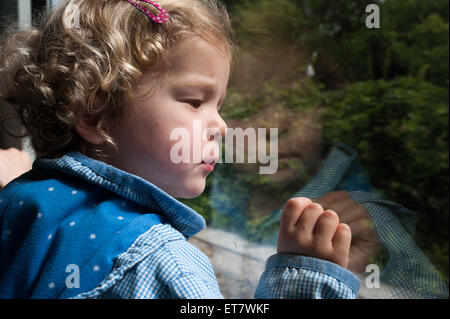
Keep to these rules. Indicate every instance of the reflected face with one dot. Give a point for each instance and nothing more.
(299, 142)
(193, 88)
(299, 150)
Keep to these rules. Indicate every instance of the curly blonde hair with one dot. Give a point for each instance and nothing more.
(67, 69)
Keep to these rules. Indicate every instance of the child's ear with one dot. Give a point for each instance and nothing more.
(89, 132)
(86, 126)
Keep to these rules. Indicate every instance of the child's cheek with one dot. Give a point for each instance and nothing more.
(179, 139)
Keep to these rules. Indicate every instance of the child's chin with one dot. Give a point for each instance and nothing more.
(192, 190)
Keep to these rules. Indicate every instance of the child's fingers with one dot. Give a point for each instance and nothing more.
(342, 238)
(325, 229)
(341, 244)
(292, 211)
(308, 219)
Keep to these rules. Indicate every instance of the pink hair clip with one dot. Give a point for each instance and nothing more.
(162, 17)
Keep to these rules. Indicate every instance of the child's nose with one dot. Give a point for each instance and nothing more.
(218, 131)
(222, 127)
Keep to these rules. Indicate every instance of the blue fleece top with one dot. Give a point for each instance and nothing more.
(55, 216)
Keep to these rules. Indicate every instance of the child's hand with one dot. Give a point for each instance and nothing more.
(306, 229)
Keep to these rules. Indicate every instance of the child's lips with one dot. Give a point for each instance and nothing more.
(212, 161)
(207, 167)
(208, 164)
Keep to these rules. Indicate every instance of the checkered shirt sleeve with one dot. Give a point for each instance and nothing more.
(300, 277)
(176, 270)
(159, 264)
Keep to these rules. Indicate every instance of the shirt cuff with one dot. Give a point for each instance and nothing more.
(314, 264)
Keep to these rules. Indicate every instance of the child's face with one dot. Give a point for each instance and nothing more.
(198, 72)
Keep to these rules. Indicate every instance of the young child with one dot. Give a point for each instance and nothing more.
(96, 217)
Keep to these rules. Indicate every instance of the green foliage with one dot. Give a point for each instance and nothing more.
(407, 115)
(439, 256)
(400, 129)
(268, 22)
(412, 39)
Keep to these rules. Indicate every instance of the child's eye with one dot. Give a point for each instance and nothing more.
(194, 103)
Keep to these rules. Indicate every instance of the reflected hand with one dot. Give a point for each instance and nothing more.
(365, 243)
